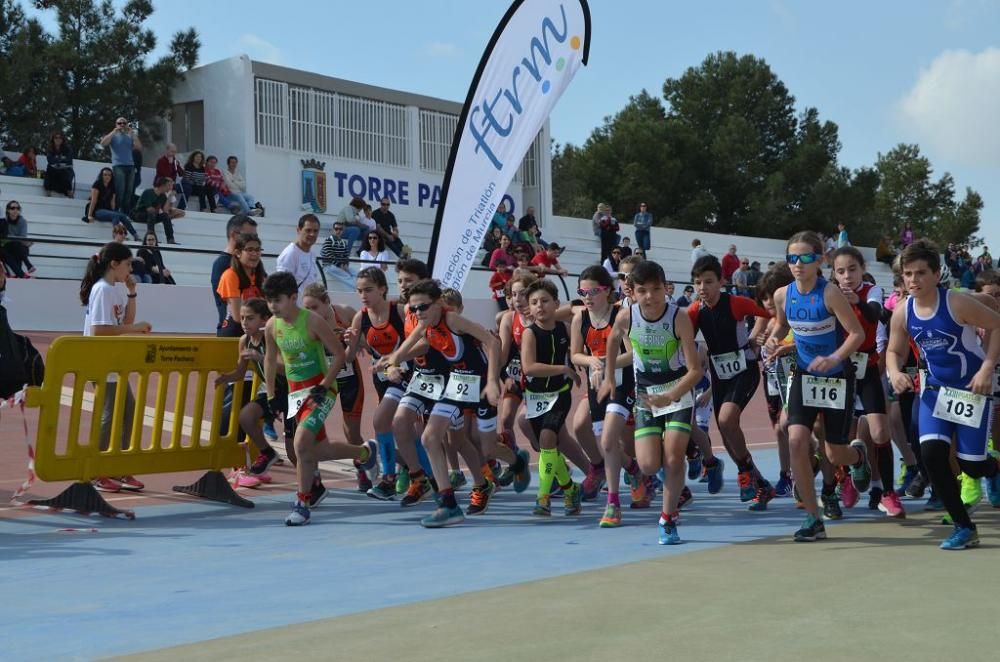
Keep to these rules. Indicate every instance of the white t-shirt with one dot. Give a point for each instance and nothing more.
(106, 308)
(300, 264)
(697, 252)
(381, 256)
(367, 222)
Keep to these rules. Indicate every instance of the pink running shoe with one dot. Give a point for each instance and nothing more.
(105, 484)
(848, 493)
(239, 479)
(891, 506)
(131, 483)
(264, 478)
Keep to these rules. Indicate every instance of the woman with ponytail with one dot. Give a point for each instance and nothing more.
(111, 312)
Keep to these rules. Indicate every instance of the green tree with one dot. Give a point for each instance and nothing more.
(97, 69)
(24, 76)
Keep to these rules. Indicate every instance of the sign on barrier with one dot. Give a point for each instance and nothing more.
(82, 372)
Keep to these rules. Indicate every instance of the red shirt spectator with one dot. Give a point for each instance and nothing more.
(497, 283)
(168, 165)
(549, 259)
(730, 264)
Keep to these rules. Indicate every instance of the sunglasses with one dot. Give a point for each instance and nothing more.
(591, 292)
(420, 307)
(805, 258)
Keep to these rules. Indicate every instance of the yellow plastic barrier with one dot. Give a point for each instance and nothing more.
(179, 439)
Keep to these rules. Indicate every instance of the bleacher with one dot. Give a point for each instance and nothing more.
(60, 218)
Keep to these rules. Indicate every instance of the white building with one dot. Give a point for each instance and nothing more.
(372, 141)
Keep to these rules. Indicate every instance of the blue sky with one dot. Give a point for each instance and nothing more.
(885, 72)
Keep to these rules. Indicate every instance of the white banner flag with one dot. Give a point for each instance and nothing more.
(529, 62)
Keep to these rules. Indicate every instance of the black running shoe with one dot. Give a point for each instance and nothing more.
(917, 487)
(812, 529)
(265, 460)
(874, 497)
(831, 507)
(317, 494)
(685, 498)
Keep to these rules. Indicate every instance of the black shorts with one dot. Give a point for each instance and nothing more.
(555, 418)
(620, 403)
(870, 392)
(738, 390)
(836, 421)
(351, 396)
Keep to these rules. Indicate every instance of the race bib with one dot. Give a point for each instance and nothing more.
(462, 388)
(686, 402)
(824, 392)
(729, 365)
(860, 361)
(539, 404)
(773, 387)
(296, 399)
(514, 369)
(248, 377)
(428, 386)
(958, 406)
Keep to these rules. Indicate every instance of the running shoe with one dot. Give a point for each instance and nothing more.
(961, 538)
(270, 432)
(385, 490)
(370, 465)
(901, 474)
(522, 478)
(906, 478)
(479, 498)
(612, 517)
(543, 507)
(299, 515)
(783, 488)
(415, 493)
(812, 529)
(642, 496)
(402, 480)
(265, 460)
(443, 516)
(917, 487)
(506, 476)
(657, 481)
(993, 490)
(668, 533)
(364, 484)
(848, 492)
(874, 497)
(862, 475)
(239, 479)
(891, 505)
(105, 484)
(130, 483)
(747, 489)
(933, 503)
(972, 490)
(831, 507)
(694, 466)
(457, 479)
(593, 482)
(714, 476)
(265, 478)
(573, 500)
(704, 474)
(632, 480)
(685, 498)
(317, 493)
(763, 496)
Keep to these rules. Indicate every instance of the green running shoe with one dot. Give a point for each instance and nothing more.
(457, 479)
(612, 517)
(972, 490)
(573, 500)
(402, 480)
(442, 517)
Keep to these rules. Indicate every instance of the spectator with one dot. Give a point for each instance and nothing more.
(829, 245)
(502, 258)
(215, 179)
(502, 220)
(297, 258)
(602, 211)
(102, 203)
(153, 259)
(548, 260)
(527, 225)
(139, 271)
(153, 207)
(335, 253)
(842, 239)
(367, 222)
(626, 247)
(168, 166)
(375, 252)
(670, 290)
(59, 175)
(697, 250)
(609, 227)
(730, 263)
(741, 277)
(26, 164)
(237, 187)
(195, 181)
(491, 243)
(642, 221)
(387, 227)
(524, 265)
(987, 258)
(243, 279)
(639, 253)
(498, 285)
(13, 249)
(612, 262)
(237, 225)
(122, 140)
(753, 278)
(352, 227)
(906, 236)
(687, 298)
(884, 253)
(968, 277)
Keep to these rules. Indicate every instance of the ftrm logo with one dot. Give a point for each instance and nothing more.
(497, 110)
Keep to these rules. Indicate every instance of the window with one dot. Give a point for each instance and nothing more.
(437, 130)
(187, 126)
(271, 101)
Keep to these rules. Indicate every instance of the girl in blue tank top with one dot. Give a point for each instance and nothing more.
(826, 332)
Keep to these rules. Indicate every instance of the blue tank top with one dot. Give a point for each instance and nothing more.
(951, 350)
(121, 149)
(815, 328)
